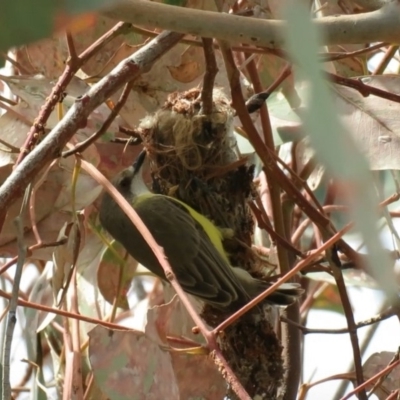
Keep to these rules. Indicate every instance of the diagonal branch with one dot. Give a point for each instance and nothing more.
(52, 145)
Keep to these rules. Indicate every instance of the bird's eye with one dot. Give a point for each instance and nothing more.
(125, 182)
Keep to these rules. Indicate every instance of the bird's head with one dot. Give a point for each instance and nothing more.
(129, 182)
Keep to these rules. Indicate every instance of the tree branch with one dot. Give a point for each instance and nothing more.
(381, 25)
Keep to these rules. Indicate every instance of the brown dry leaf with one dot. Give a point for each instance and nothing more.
(62, 261)
(48, 56)
(85, 38)
(112, 269)
(91, 302)
(13, 131)
(151, 90)
(47, 195)
(375, 364)
(48, 227)
(21, 56)
(16, 123)
(196, 374)
(373, 121)
(305, 156)
(114, 158)
(198, 377)
(170, 319)
(187, 72)
(270, 67)
(87, 190)
(191, 66)
(65, 257)
(350, 66)
(34, 90)
(52, 207)
(41, 293)
(124, 51)
(130, 363)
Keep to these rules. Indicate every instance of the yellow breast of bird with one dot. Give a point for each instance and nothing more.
(212, 231)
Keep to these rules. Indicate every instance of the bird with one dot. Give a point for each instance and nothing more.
(191, 242)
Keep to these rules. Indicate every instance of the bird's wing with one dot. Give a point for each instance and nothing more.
(197, 264)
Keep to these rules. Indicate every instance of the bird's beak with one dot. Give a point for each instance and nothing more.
(138, 163)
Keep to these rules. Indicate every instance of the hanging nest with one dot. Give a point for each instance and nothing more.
(194, 157)
(254, 353)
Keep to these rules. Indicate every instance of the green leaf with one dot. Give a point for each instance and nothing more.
(334, 145)
(23, 21)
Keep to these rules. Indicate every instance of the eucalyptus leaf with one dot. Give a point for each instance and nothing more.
(334, 145)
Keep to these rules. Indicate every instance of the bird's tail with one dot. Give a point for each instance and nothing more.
(286, 294)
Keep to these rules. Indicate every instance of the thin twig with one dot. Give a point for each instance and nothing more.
(334, 264)
(299, 267)
(80, 317)
(73, 385)
(255, 102)
(12, 319)
(340, 56)
(373, 320)
(9, 101)
(371, 380)
(126, 141)
(383, 377)
(362, 88)
(263, 223)
(30, 250)
(22, 70)
(132, 133)
(79, 148)
(15, 114)
(73, 57)
(302, 183)
(394, 395)
(121, 28)
(209, 77)
(273, 189)
(10, 147)
(32, 206)
(390, 53)
(329, 208)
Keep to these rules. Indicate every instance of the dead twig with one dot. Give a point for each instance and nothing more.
(12, 319)
(209, 77)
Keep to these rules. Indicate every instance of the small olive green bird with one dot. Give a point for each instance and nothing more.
(191, 242)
